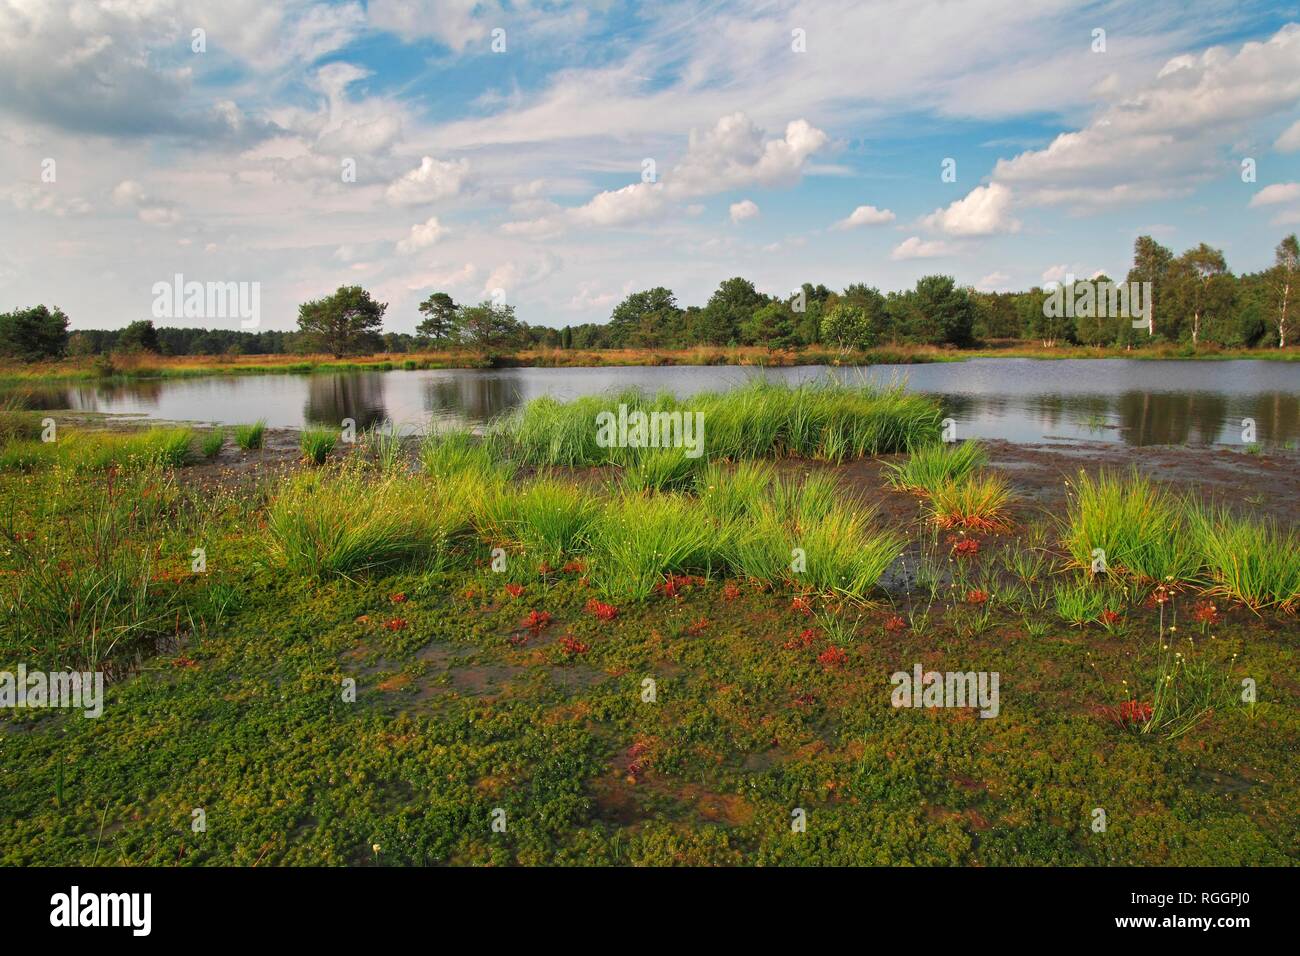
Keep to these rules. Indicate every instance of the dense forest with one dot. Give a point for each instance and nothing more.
(1194, 298)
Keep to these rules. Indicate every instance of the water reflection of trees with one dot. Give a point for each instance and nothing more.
(355, 395)
(1277, 416)
(37, 398)
(144, 390)
(1171, 418)
(475, 398)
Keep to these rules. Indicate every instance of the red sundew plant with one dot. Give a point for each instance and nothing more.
(470, 594)
(574, 567)
(518, 640)
(805, 700)
(675, 584)
(601, 610)
(895, 624)
(730, 591)
(635, 754)
(802, 605)
(698, 628)
(537, 620)
(977, 596)
(832, 658)
(1109, 618)
(573, 647)
(398, 598)
(1207, 613)
(805, 639)
(396, 624)
(966, 547)
(186, 662)
(514, 590)
(1129, 714)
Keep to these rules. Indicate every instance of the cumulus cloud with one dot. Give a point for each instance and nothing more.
(733, 154)
(985, 210)
(1169, 134)
(1276, 193)
(865, 216)
(616, 207)
(914, 247)
(430, 181)
(993, 282)
(422, 235)
(745, 209)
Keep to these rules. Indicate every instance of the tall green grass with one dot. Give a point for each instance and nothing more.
(213, 442)
(728, 493)
(549, 518)
(979, 501)
(249, 437)
(1254, 562)
(445, 454)
(660, 469)
(87, 586)
(845, 554)
(317, 443)
(1140, 529)
(345, 523)
(931, 466)
(639, 540)
(825, 420)
(92, 451)
(385, 447)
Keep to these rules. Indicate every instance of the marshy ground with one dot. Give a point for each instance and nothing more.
(594, 727)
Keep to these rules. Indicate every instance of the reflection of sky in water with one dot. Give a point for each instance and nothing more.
(1135, 401)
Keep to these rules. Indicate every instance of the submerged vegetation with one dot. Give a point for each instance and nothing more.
(499, 602)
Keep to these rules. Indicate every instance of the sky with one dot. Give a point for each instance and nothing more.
(558, 156)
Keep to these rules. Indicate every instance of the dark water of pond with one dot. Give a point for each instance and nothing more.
(1021, 400)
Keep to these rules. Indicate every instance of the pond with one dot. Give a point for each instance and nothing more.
(1138, 402)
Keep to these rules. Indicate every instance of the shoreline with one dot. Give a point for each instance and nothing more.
(130, 368)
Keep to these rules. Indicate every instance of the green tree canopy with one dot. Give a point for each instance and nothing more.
(139, 336)
(31, 335)
(488, 326)
(343, 322)
(439, 324)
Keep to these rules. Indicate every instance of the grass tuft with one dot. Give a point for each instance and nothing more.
(250, 437)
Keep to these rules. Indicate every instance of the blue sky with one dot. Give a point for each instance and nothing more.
(519, 171)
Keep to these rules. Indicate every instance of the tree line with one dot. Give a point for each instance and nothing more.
(1194, 298)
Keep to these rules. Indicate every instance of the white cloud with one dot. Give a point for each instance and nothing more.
(422, 235)
(1168, 135)
(865, 216)
(1289, 141)
(1276, 193)
(745, 209)
(915, 248)
(985, 210)
(994, 282)
(733, 155)
(430, 181)
(450, 22)
(617, 207)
